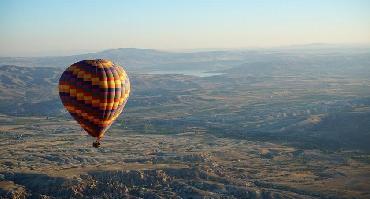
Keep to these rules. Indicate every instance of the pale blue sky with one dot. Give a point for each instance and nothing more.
(59, 27)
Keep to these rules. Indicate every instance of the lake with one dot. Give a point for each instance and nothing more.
(198, 73)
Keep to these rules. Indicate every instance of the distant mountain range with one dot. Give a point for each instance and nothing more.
(134, 59)
(139, 60)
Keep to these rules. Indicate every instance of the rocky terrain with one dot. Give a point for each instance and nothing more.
(266, 124)
(52, 158)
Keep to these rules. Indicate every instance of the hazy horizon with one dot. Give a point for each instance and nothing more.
(56, 53)
(43, 28)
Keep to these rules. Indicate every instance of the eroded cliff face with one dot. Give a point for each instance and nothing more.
(162, 183)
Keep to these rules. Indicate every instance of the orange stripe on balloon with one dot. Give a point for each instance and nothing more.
(96, 102)
(91, 118)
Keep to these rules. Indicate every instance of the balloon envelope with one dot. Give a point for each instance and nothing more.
(94, 92)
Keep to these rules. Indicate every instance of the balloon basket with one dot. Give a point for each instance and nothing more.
(96, 144)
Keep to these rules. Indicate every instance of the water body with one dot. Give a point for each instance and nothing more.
(197, 73)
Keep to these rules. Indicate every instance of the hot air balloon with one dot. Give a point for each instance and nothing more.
(94, 92)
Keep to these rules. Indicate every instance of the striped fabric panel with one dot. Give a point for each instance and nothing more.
(95, 93)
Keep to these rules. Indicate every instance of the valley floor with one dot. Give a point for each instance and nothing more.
(53, 158)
